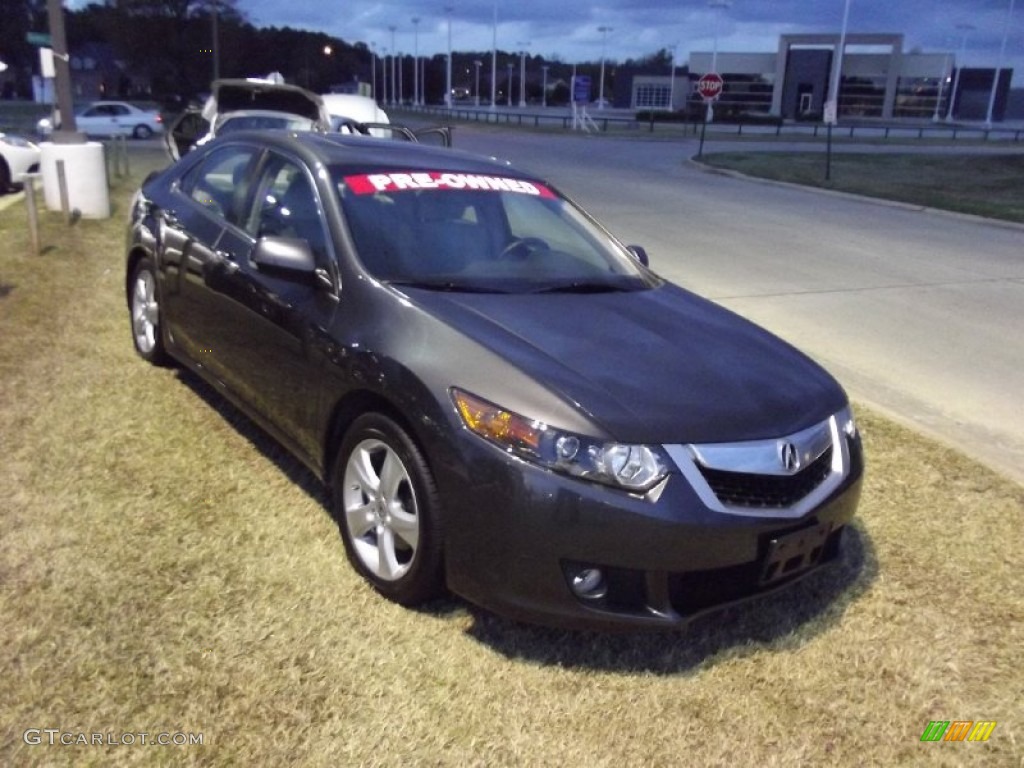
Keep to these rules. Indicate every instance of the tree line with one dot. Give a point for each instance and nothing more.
(165, 51)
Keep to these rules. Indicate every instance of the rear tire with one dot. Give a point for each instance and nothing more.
(142, 132)
(5, 177)
(386, 504)
(144, 313)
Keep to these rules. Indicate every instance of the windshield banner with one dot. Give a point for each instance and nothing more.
(372, 183)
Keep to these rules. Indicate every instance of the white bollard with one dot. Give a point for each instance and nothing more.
(85, 169)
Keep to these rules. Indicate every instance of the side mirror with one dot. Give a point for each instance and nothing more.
(640, 254)
(438, 136)
(284, 254)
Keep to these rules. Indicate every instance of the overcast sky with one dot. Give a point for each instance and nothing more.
(569, 30)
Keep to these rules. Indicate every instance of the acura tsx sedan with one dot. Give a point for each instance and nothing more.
(504, 400)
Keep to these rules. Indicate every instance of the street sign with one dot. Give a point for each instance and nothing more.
(46, 65)
(710, 86)
(39, 38)
(581, 89)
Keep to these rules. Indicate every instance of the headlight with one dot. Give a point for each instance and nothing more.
(631, 467)
(847, 423)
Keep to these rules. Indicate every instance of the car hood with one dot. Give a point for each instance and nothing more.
(234, 95)
(660, 365)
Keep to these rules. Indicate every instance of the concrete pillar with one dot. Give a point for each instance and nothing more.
(85, 169)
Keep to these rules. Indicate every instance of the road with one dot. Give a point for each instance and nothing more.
(919, 314)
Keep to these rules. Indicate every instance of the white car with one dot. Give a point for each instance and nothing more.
(111, 118)
(349, 108)
(255, 103)
(18, 155)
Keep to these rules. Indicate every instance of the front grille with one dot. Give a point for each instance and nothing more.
(741, 489)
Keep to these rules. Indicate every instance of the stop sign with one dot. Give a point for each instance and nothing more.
(710, 86)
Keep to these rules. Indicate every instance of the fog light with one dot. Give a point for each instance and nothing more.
(589, 584)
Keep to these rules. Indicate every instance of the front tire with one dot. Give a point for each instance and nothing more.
(144, 311)
(386, 504)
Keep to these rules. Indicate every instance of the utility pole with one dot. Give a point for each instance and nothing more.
(68, 133)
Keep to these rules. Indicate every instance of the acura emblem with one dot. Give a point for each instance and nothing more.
(789, 457)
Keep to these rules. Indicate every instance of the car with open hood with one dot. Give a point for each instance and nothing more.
(262, 104)
(504, 400)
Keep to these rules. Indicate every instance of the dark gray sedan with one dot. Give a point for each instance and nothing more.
(505, 401)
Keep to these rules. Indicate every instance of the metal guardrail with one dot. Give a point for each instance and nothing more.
(895, 130)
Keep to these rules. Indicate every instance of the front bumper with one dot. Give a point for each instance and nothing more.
(516, 535)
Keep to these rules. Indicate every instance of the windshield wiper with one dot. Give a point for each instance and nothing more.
(445, 285)
(584, 286)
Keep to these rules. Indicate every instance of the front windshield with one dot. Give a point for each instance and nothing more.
(459, 231)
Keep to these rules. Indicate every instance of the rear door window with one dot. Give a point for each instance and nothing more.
(218, 184)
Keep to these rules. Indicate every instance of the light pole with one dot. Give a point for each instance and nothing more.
(999, 66)
(832, 105)
(522, 73)
(544, 88)
(953, 94)
(401, 77)
(216, 39)
(942, 85)
(477, 64)
(837, 71)
(672, 80)
(373, 71)
(394, 53)
(328, 52)
(494, 59)
(604, 46)
(384, 75)
(510, 83)
(416, 61)
(448, 9)
(717, 5)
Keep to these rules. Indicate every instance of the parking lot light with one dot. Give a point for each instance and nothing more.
(966, 29)
(604, 45)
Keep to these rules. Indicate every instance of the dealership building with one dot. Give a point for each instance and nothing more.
(879, 80)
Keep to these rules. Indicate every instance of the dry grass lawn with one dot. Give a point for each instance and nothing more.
(985, 185)
(165, 568)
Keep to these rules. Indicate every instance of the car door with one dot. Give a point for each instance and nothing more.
(94, 120)
(193, 267)
(187, 129)
(120, 120)
(102, 119)
(276, 318)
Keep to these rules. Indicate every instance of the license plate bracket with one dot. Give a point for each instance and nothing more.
(792, 553)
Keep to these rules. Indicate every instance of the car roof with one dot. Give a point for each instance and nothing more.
(361, 154)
